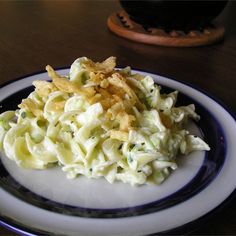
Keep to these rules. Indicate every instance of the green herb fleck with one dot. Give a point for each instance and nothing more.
(84, 78)
(120, 146)
(91, 169)
(130, 159)
(132, 146)
(23, 114)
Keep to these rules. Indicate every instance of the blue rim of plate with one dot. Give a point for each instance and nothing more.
(211, 166)
(151, 206)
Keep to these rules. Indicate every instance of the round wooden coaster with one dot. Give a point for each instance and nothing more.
(122, 25)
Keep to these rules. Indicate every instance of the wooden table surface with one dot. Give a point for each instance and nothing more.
(36, 33)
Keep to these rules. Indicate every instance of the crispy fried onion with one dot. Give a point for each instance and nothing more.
(65, 85)
(117, 80)
(44, 88)
(120, 135)
(105, 67)
(105, 85)
(31, 106)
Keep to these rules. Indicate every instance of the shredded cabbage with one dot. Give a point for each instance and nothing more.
(100, 122)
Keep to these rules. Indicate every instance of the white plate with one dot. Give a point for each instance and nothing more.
(40, 202)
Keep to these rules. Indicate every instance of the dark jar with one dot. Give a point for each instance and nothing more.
(174, 15)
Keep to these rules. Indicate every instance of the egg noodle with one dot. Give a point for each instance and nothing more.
(99, 122)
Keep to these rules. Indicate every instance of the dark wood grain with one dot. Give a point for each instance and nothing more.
(36, 33)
